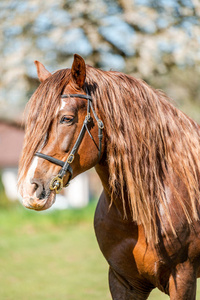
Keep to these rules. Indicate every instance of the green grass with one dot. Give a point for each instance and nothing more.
(52, 256)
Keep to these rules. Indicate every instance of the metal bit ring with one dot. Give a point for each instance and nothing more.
(56, 184)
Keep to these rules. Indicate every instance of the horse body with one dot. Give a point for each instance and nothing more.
(147, 218)
(136, 267)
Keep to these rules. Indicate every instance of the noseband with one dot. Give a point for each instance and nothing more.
(56, 183)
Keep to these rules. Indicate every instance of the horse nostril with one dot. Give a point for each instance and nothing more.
(42, 195)
(38, 188)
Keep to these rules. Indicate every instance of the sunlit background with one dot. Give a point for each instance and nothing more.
(54, 255)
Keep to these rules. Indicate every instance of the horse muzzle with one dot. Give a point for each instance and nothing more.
(35, 203)
(36, 196)
(39, 204)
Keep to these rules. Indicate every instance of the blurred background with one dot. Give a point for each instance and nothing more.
(48, 255)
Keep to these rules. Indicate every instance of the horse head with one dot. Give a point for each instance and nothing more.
(72, 140)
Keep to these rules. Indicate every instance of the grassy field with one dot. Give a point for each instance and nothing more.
(52, 256)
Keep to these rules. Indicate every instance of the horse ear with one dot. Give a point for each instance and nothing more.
(78, 70)
(42, 72)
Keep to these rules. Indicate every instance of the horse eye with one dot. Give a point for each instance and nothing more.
(66, 120)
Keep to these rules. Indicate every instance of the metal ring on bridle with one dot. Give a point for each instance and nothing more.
(56, 184)
(88, 117)
(70, 158)
(100, 124)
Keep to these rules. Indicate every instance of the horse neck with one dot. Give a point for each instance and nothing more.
(116, 201)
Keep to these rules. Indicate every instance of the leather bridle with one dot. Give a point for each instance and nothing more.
(56, 183)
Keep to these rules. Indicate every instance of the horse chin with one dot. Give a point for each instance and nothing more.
(39, 204)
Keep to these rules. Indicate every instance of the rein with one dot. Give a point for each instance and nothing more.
(56, 183)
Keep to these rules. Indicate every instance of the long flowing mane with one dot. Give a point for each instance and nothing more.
(147, 139)
(151, 148)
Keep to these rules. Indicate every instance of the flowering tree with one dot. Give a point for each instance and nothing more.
(148, 38)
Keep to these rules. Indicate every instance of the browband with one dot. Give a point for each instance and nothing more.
(87, 97)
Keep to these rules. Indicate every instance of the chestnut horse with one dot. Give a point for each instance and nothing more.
(146, 153)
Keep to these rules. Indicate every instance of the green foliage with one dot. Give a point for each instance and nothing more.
(144, 38)
(183, 87)
(20, 217)
(4, 202)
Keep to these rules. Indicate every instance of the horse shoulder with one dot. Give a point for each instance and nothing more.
(117, 240)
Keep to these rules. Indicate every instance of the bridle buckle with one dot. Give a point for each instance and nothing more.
(88, 117)
(70, 158)
(100, 124)
(56, 184)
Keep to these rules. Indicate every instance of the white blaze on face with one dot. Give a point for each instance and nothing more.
(28, 189)
(27, 186)
(28, 192)
(33, 166)
(62, 105)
